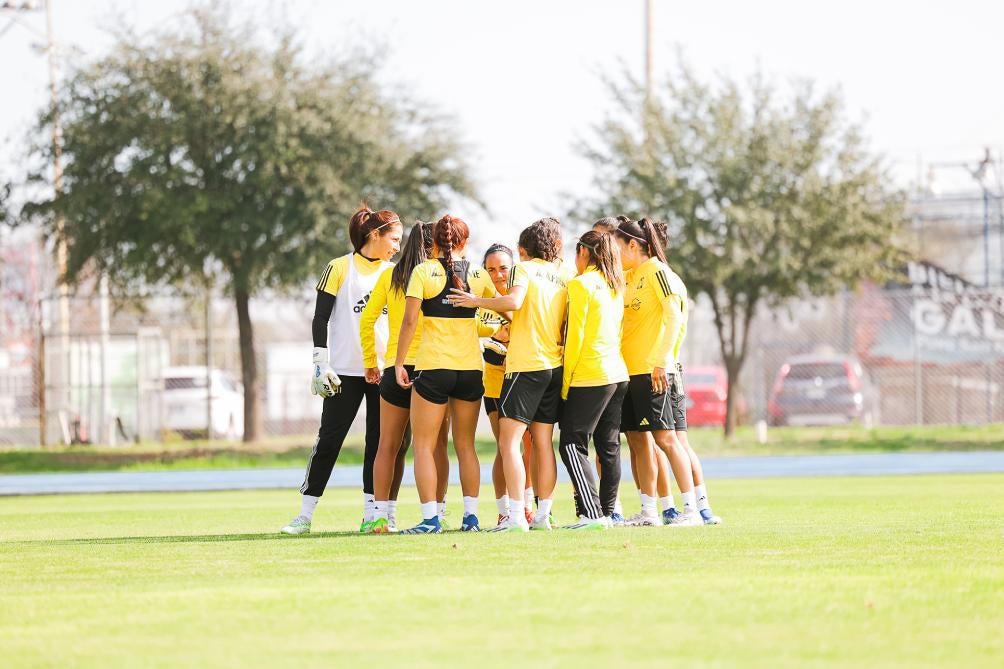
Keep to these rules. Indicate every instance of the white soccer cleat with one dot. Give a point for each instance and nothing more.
(510, 526)
(644, 520)
(299, 525)
(687, 519)
(541, 522)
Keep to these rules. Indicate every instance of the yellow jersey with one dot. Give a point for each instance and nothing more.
(385, 300)
(334, 274)
(593, 337)
(449, 334)
(489, 323)
(535, 336)
(655, 316)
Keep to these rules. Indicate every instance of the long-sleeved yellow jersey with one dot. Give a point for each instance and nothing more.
(593, 338)
(655, 317)
(383, 297)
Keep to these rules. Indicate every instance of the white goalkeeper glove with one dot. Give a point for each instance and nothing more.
(495, 345)
(324, 380)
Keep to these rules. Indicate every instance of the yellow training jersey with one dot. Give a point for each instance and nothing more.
(334, 274)
(593, 337)
(535, 336)
(655, 316)
(490, 323)
(385, 300)
(449, 338)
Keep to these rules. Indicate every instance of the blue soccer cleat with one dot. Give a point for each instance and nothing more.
(710, 518)
(616, 520)
(427, 526)
(470, 524)
(668, 515)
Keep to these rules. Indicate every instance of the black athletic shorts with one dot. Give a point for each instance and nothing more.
(644, 411)
(393, 393)
(491, 405)
(678, 399)
(439, 385)
(532, 397)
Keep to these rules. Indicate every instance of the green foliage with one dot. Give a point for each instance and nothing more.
(766, 196)
(213, 149)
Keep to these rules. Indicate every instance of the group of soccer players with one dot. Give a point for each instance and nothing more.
(591, 346)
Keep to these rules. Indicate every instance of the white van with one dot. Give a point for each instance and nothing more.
(185, 403)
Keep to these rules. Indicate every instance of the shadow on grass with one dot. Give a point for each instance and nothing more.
(192, 539)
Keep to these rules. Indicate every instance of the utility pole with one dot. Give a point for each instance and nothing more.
(648, 50)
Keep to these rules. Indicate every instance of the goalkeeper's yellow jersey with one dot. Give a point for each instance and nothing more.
(655, 317)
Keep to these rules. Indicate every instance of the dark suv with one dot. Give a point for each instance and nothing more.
(822, 390)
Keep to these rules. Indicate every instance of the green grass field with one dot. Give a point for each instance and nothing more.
(293, 451)
(863, 572)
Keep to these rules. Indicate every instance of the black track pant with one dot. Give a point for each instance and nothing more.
(336, 417)
(593, 412)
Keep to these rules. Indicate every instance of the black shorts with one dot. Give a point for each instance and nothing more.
(440, 385)
(678, 400)
(644, 411)
(532, 397)
(393, 393)
(491, 405)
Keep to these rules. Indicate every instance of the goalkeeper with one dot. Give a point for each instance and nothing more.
(338, 372)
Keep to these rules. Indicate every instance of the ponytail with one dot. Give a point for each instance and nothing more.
(605, 255)
(449, 233)
(415, 252)
(650, 234)
(365, 221)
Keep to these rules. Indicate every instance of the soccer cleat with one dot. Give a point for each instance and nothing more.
(616, 520)
(427, 526)
(365, 526)
(644, 520)
(541, 523)
(506, 526)
(470, 524)
(588, 524)
(710, 518)
(529, 515)
(687, 519)
(380, 526)
(299, 525)
(502, 518)
(668, 515)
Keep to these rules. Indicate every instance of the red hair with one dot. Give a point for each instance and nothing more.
(365, 221)
(448, 233)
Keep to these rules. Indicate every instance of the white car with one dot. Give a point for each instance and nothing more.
(185, 402)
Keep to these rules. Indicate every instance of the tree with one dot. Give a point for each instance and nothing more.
(214, 155)
(766, 197)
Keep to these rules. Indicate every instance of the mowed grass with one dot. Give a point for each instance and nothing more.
(827, 572)
(293, 451)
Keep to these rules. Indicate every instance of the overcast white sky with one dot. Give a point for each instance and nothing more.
(521, 77)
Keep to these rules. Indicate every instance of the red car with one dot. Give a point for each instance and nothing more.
(706, 388)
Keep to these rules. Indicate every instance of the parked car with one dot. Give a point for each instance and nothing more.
(822, 390)
(707, 389)
(185, 402)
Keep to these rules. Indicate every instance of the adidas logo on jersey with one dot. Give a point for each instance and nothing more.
(361, 304)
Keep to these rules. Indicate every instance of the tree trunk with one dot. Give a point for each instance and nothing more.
(733, 367)
(253, 423)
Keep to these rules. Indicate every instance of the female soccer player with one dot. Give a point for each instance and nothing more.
(653, 315)
(531, 389)
(595, 378)
(339, 374)
(448, 367)
(395, 401)
(498, 262)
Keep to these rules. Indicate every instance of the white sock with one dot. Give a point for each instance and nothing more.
(470, 506)
(502, 503)
(702, 497)
(618, 508)
(516, 513)
(392, 510)
(528, 497)
(307, 506)
(689, 501)
(441, 509)
(544, 507)
(428, 510)
(647, 504)
(666, 502)
(368, 500)
(380, 509)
